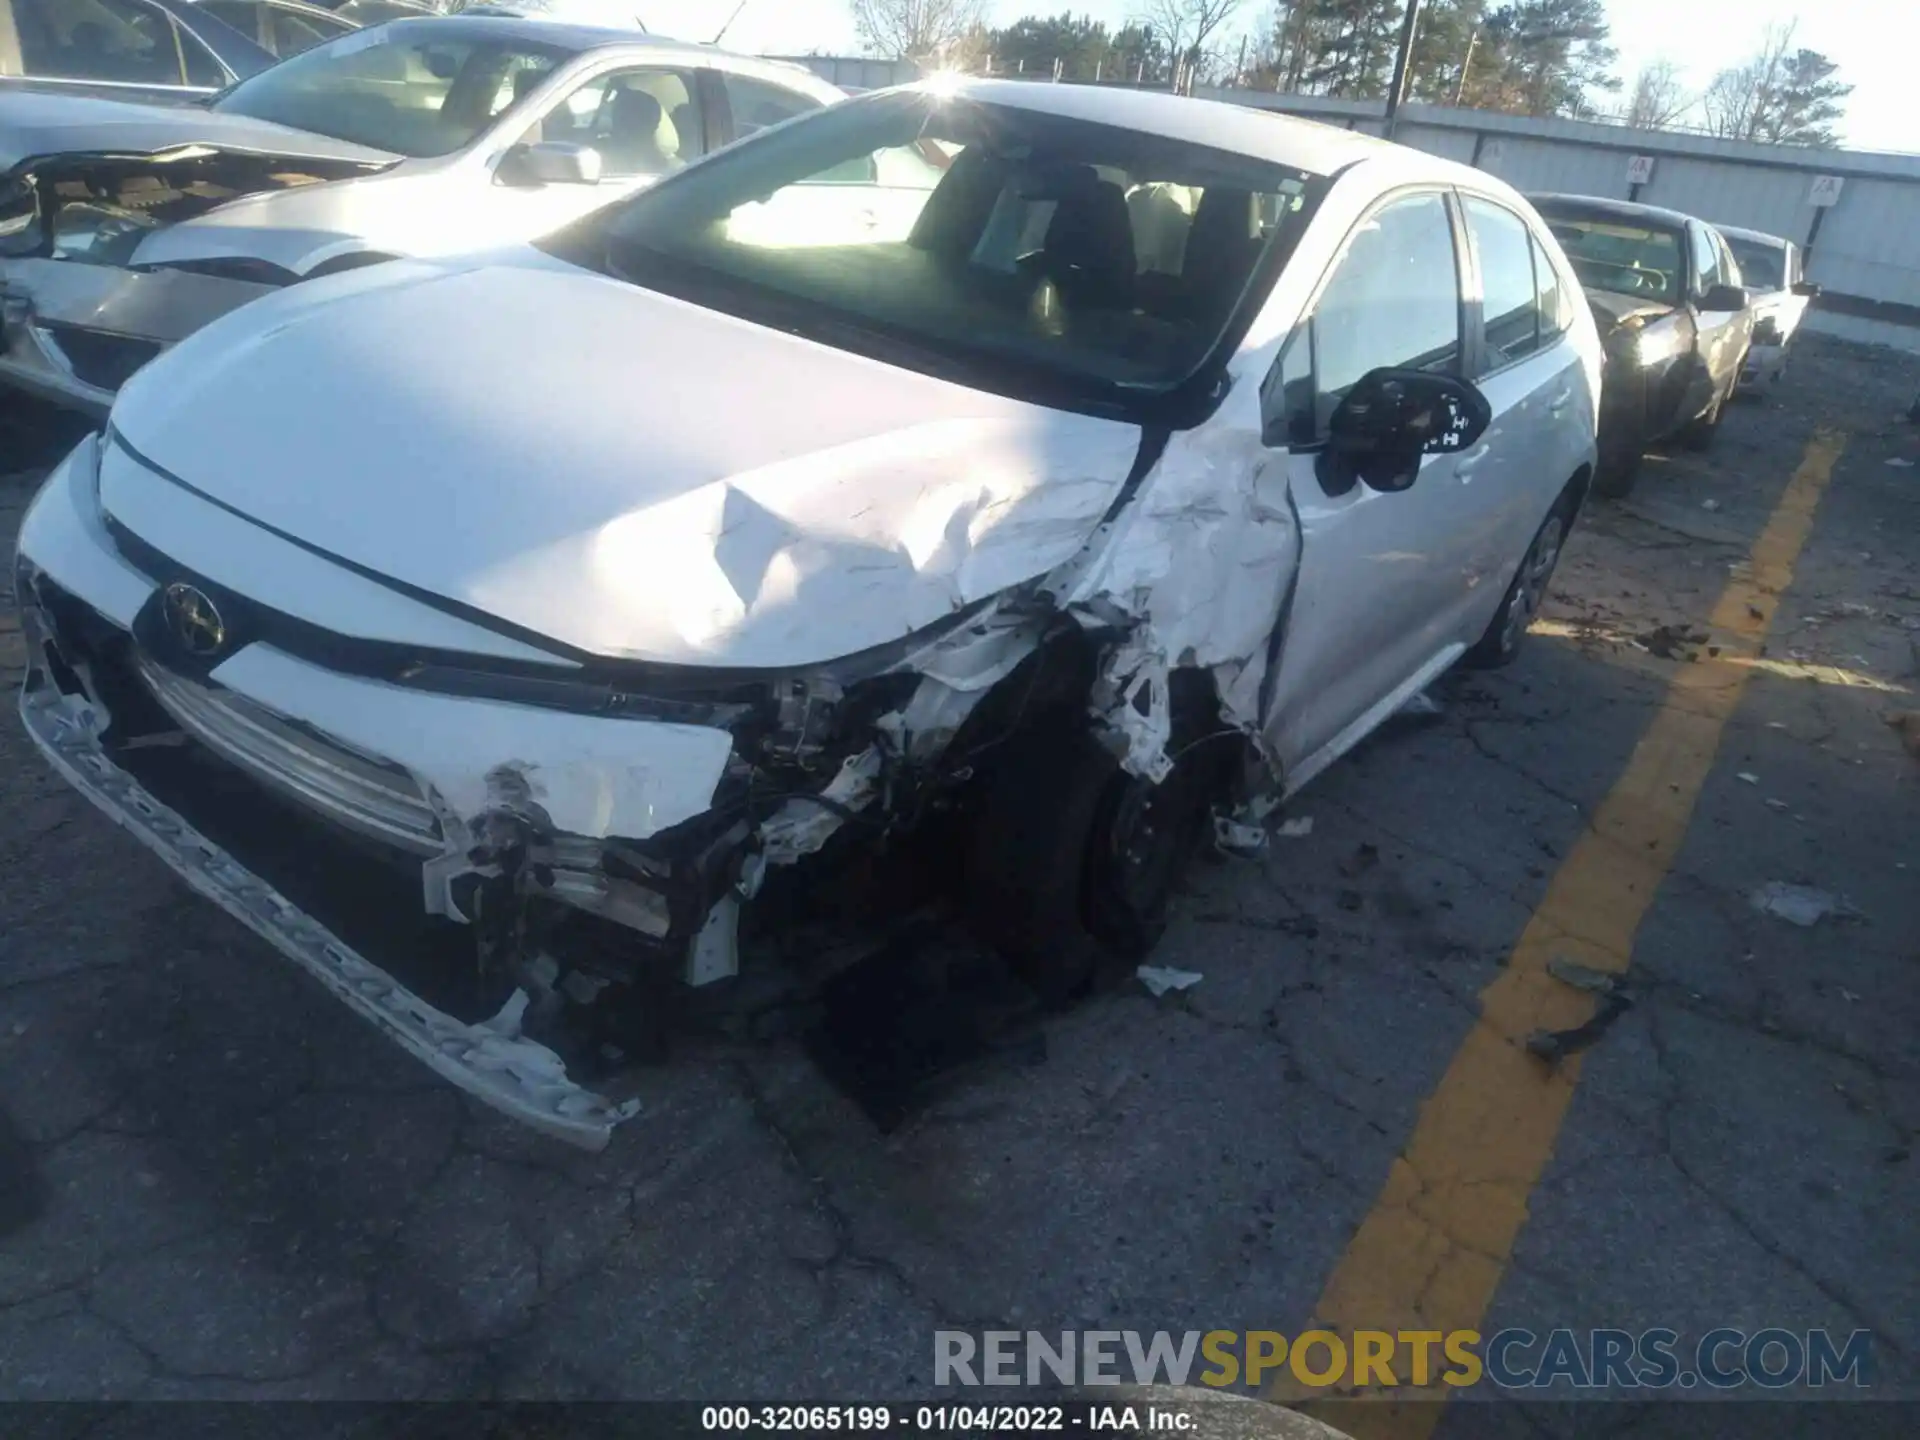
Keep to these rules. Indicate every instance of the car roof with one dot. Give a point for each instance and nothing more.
(563, 35)
(1263, 134)
(1758, 237)
(1617, 209)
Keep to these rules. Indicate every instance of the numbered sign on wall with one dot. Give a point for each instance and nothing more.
(1825, 190)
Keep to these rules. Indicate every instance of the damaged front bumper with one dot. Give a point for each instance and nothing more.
(72, 333)
(555, 859)
(491, 1061)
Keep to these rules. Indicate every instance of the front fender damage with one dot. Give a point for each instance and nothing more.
(1187, 579)
(537, 821)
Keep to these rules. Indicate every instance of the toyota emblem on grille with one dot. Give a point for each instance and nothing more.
(194, 619)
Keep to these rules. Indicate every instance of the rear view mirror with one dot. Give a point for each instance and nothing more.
(1391, 419)
(1724, 298)
(551, 162)
(1807, 290)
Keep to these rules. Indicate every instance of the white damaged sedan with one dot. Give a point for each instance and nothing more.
(492, 634)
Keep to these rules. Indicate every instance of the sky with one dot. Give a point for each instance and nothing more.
(1874, 41)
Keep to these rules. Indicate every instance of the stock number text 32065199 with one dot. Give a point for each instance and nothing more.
(875, 1419)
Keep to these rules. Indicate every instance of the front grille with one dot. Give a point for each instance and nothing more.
(367, 795)
(101, 360)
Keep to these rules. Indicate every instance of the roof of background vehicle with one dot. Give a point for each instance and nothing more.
(1758, 237)
(1302, 144)
(580, 39)
(1599, 205)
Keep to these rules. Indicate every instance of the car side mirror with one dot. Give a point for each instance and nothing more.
(1722, 298)
(1807, 290)
(551, 162)
(1391, 419)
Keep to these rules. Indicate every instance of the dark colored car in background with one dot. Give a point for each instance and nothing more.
(1674, 318)
(166, 51)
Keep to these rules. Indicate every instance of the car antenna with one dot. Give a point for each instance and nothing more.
(729, 25)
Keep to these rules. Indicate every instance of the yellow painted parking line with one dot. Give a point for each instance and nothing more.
(1432, 1250)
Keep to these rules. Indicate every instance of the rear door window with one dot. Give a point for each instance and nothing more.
(122, 41)
(643, 122)
(1706, 261)
(279, 28)
(1510, 297)
(757, 104)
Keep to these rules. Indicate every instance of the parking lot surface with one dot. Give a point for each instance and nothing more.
(215, 1182)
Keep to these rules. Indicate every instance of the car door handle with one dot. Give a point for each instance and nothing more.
(1470, 462)
(1560, 401)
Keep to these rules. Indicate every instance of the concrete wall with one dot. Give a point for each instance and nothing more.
(856, 72)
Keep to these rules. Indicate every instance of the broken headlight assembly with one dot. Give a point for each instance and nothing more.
(98, 234)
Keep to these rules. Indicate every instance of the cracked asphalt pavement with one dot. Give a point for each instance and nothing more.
(215, 1182)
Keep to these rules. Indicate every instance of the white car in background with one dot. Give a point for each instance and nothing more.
(123, 227)
(612, 587)
(1772, 271)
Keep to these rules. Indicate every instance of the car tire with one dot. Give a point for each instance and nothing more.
(1615, 475)
(1507, 631)
(1046, 876)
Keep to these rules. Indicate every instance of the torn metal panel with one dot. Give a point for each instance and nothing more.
(157, 305)
(1132, 700)
(805, 823)
(1201, 562)
(493, 1061)
(590, 776)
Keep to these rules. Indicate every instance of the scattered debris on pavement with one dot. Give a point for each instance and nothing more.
(1572, 972)
(1801, 905)
(1298, 828)
(1553, 1046)
(1906, 724)
(1363, 859)
(1160, 979)
(1671, 642)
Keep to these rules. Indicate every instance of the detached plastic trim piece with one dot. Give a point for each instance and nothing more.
(492, 1061)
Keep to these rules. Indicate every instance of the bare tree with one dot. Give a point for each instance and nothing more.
(916, 30)
(1784, 95)
(1658, 98)
(1186, 26)
(1740, 96)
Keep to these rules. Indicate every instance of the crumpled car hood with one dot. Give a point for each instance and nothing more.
(36, 124)
(615, 469)
(392, 211)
